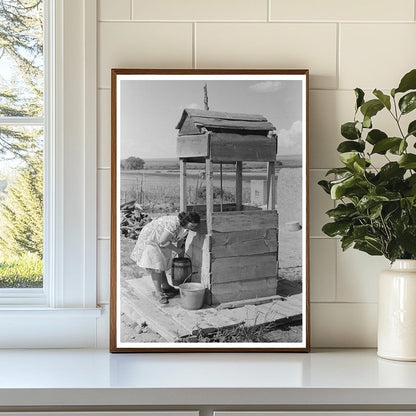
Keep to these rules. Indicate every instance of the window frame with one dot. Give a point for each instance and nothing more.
(70, 208)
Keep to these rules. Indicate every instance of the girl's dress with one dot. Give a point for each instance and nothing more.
(147, 252)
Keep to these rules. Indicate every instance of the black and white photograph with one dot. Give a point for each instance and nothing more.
(209, 243)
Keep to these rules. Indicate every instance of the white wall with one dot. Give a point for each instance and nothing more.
(345, 44)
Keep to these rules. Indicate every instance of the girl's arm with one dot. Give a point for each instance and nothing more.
(165, 241)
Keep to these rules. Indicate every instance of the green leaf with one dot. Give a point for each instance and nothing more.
(408, 102)
(375, 211)
(359, 95)
(369, 201)
(407, 240)
(339, 189)
(375, 136)
(385, 99)
(348, 158)
(333, 229)
(367, 122)
(391, 170)
(325, 186)
(398, 149)
(349, 131)
(338, 171)
(346, 242)
(408, 161)
(371, 108)
(408, 82)
(411, 130)
(383, 145)
(342, 211)
(361, 231)
(349, 146)
(368, 248)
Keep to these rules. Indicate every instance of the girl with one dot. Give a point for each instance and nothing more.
(154, 247)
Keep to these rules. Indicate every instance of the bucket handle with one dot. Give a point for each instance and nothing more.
(188, 277)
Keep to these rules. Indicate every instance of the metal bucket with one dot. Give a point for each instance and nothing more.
(192, 295)
(181, 270)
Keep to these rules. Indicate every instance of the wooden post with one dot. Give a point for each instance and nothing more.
(239, 186)
(271, 186)
(209, 194)
(182, 185)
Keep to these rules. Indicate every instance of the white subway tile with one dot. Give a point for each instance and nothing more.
(328, 110)
(357, 275)
(376, 55)
(319, 203)
(114, 10)
(104, 129)
(103, 271)
(258, 45)
(323, 269)
(200, 10)
(104, 202)
(143, 45)
(341, 10)
(343, 325)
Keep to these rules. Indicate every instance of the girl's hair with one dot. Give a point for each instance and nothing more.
(187, 217)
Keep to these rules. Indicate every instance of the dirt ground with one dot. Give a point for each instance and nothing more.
(290, 283)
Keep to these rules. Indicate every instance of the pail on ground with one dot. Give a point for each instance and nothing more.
(192, 295)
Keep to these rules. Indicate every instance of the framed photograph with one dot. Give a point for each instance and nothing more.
(209, 211)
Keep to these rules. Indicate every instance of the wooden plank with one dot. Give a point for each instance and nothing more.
(238, 186)
(230, 269)
(196, 145)
(182, 185)
(235, 125)
(247, 289)
(195, 112)
(256, 301)
(244, 243)
(271, 186)
(137, 306)
(242, 236)
(209, 194)
(228, 147)
(224, 222)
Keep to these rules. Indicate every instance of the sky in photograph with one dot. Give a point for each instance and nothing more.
(150, 111)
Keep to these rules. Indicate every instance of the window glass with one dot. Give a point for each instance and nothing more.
(21, 143)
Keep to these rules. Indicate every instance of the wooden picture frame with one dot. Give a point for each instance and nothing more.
(232, 147)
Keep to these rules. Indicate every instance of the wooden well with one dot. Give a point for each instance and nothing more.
(235, 250)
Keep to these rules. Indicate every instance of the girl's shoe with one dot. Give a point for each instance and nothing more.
(163, 299)
(170, 292)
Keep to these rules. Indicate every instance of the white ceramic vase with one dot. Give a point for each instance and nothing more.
(397, 312)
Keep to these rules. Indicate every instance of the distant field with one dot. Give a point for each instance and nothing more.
(289, 161)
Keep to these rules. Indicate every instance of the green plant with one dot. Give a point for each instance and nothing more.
(376, 212)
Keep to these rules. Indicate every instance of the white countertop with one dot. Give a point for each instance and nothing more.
(96, 377)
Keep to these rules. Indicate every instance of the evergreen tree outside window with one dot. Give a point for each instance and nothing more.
(22, 120)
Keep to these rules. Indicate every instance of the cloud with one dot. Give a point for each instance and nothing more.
(290, 141)
(266, 86)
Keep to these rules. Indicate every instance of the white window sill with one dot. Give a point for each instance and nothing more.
(86, 378)
(36, 312)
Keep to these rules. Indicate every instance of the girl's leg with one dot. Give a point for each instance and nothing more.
(157, 282)
(167, 288)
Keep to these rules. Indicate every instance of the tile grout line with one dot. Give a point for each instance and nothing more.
(269, 11)
(194, 63)
(131, 9)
